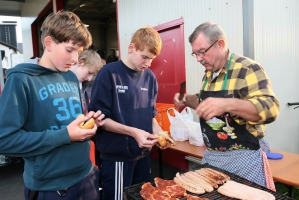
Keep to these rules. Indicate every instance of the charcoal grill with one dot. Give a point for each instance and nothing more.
(133, 192)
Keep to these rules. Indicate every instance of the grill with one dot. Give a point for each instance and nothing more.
(133, 192)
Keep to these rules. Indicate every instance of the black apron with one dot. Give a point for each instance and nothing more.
(227, 134)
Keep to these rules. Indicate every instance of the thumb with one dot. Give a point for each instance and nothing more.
(153, 136)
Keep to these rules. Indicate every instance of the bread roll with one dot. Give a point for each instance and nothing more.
(162, 141)
(88, 124)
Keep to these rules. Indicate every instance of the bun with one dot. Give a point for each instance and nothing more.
(162, 141)
(88, 124)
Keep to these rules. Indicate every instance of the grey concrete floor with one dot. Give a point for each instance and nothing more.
(12, 185)
(11, 181)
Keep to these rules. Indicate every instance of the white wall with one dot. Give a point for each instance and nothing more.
(11, 58)
(271, 37)
(276, 47)
(134, 14)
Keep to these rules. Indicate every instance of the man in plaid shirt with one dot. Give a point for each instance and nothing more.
(236, 100)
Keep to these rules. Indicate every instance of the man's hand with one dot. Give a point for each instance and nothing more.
(177, 102)
(212, 107)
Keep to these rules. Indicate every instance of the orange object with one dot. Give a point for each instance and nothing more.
(162, 117)
(92, 153)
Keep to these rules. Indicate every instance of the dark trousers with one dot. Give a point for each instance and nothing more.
(118, 175)
(87, 189)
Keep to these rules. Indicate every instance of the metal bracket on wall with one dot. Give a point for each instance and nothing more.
(294, 104)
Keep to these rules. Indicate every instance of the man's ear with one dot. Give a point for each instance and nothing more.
(48, 43)
(221, 43)
(131, 47)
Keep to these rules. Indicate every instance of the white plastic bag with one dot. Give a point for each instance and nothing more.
(178, 129)
(182, 127)
(195, 134)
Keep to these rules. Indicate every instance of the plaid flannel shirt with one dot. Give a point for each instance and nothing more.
(247, 80)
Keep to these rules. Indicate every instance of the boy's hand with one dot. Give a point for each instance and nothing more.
(98, 117)
(144, 139)
(78, 134)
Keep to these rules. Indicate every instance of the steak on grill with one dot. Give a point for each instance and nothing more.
(173, 189)
(149, 192)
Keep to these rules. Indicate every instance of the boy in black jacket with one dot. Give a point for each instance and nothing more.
(126, 91)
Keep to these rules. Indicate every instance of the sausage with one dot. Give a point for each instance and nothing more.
(202, 183)
(188, 186)
(218, 175)
(209, 176)
(215, 185)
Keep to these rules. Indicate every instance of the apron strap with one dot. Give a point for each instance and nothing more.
(226, 75)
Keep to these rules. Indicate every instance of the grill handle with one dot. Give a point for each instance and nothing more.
(193, 159)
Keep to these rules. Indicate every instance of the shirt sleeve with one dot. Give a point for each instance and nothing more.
(259, 91)
(100, 88)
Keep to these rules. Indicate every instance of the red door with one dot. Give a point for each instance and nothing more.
(169, 66)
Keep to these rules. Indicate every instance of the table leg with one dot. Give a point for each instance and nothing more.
(160, 163)
(291, 191)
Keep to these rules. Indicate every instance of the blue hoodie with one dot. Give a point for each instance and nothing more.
(37, 104)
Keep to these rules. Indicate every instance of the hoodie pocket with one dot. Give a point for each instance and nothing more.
(62, 161)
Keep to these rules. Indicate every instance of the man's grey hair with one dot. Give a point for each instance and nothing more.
(210, 30)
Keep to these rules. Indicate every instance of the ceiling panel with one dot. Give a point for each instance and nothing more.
(98, 11)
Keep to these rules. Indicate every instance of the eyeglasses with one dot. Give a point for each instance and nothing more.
(202, 54)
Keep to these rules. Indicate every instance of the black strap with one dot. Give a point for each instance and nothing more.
(32, 195)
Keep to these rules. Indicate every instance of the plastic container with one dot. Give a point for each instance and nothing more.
(274, 156)
(162, 117)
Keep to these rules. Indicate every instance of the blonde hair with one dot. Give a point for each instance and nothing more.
(147, 38)
(91, 59)
(64, 26)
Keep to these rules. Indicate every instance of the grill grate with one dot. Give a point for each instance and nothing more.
(133, 192)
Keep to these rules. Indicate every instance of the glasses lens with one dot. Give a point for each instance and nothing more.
(199, 54)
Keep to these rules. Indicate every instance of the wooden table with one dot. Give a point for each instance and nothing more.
(187, 148)
(285, 170)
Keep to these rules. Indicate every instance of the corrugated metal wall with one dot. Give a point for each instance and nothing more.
(274, 43)
(134, 14)
(276, 47)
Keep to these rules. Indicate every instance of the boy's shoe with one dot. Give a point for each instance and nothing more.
(4, 160)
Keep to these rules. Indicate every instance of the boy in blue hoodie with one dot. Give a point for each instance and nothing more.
(126, 91)
(39, 106)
